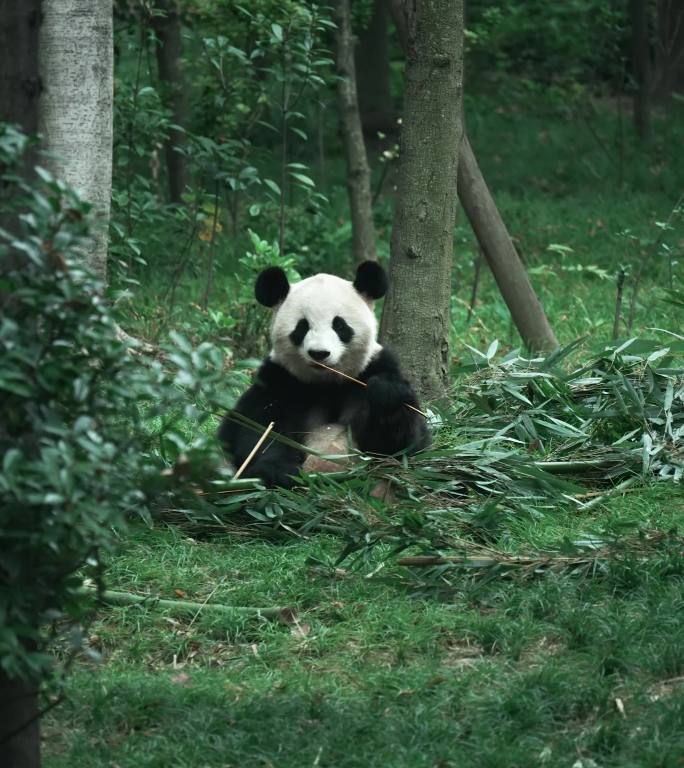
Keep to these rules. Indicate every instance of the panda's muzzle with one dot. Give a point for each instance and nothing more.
(319, 355)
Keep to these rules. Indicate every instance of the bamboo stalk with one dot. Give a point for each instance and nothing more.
(259, 442)
(363, 384)
(485, 562)
(185, 607)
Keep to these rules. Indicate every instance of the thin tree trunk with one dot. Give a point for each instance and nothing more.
(668, 77)
(76, 62)
(373, 74)
(641, 63)
(492, 235)
(416, 318)
(497, 246)
(358, 172)
(19, 724)
(169, 51)
(620, 284)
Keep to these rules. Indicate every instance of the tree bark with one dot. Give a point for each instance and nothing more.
(358, 172)
(169, 49)
(492, 235)
(19, 76)
(641, 65)
(19, 93)
(19, 724)
(668, 77)
(19, 82)
(416, 317)
(497, 246)
(76, 68)
(373, 74)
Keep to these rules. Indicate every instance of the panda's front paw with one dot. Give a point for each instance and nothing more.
(275, 475)
(386, 395)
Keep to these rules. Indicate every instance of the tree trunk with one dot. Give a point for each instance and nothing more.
(76, 61)
(19, 77)
(373, 74)
(19, 724)
(19, 80)
(641, 65)
(169, 49)
(668, 77)
(509, 272)
(492, 235)
(19, 92)
(358, 172)
(416, 318)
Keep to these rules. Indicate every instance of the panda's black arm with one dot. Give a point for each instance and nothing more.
(386, 426)
(268, 399)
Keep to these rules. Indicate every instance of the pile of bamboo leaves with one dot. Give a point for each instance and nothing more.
(524, 436)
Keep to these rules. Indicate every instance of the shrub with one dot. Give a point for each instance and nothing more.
(88, 431)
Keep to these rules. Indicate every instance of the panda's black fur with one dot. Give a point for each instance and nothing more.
(377, 416)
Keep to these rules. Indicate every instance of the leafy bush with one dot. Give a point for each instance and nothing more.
(89, 432)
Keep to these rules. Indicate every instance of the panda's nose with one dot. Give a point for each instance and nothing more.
(319, 354)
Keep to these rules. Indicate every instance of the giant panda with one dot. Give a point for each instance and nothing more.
(323, 319)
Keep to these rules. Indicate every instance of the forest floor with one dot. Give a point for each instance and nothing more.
(563, 670)
(559, 671)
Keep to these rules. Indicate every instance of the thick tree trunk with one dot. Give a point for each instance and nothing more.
(19, 79)
(76, 60)
(358, 172)
(19, 92)
(492, 235)
(509, 272)
(19, 724)
(416, 318)
(373, 74)
(641, 64)
(169, 51)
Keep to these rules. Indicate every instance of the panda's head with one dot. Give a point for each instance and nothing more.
(322, 319)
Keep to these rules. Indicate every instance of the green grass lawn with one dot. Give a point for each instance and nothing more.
(566, 670)
(505, 672)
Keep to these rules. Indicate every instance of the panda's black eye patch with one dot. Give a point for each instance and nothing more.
(344, 331)
(300, 331)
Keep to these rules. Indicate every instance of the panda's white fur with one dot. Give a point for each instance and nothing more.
(319, 299)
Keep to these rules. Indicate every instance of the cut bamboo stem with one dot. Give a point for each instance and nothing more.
(259, 442)
(185, 607)
(486, 562)
(363, 384)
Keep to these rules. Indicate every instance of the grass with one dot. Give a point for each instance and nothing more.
(504, 673)
(559, 670)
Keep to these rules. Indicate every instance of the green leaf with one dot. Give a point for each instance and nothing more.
(272, 186)
(303, 179)
(10, 460)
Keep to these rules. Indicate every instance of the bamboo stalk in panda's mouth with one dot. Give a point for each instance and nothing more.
(363, 384)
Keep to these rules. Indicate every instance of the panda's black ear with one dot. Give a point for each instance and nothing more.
(371, 280)
(271, 286)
